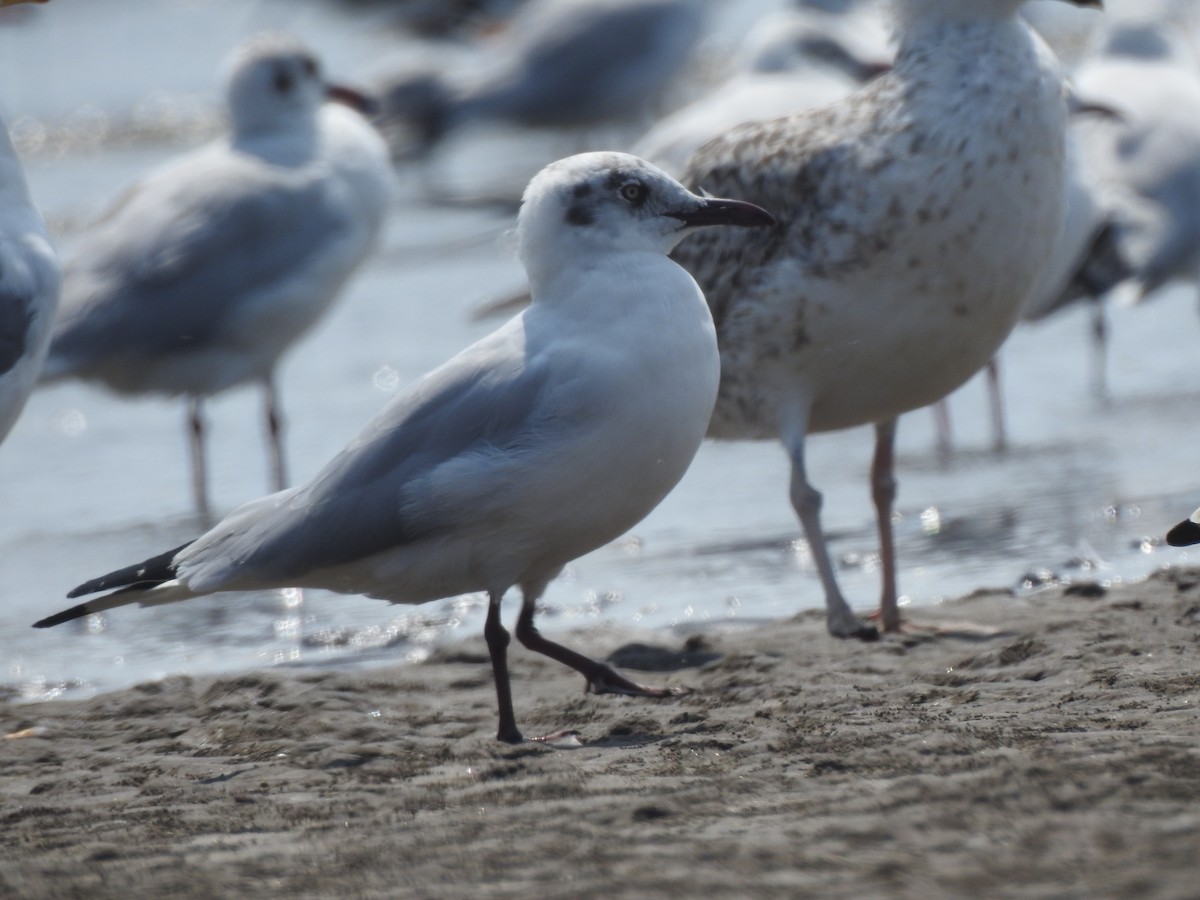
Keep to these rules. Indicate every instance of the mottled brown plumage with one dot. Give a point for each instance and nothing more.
(914, 217)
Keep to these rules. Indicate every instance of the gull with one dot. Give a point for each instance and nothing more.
(1148, 158)
(29, 284)
(1186, 532)
(559, 64)
(541, 442)
(792, 61)
(203, 274)
(915, 216)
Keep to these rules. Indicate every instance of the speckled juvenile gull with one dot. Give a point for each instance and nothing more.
(29, 282)
(559, 63)
(207, 271)
(539, 443)
(914, 218)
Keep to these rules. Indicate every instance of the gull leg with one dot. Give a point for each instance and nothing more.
(196, 438)
(279, 475)
(601, 678)
(1099, 353)
(996, 401)
(806, 500)
(496, 636)
(944, 439)
(883, 493)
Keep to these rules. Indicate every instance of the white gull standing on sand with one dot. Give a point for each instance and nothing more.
(541, 442)
(915, 216)
(1148, 158)
(208, 270)
(29, 282)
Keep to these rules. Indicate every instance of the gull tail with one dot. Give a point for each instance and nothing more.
(128, 585)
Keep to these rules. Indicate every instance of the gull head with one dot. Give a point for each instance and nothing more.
(274, 83)
(599, 203)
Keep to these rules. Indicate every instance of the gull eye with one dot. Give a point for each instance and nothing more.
(634, 192)
(283, 81)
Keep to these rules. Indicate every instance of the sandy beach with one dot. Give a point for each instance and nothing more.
(1060, 758)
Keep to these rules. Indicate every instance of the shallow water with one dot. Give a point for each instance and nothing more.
(89, 482)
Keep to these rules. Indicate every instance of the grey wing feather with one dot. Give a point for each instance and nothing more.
(168, 266)
(471, 414)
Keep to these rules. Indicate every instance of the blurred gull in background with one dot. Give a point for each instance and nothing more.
(29, 284)
(1147, 161)
(207, 271)
(557, 64)
(790, 61)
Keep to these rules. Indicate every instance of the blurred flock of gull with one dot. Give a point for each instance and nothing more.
(1073, 474)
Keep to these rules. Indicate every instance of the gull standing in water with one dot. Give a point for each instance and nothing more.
(541, 442)
(915, 217)
(206, 272)
(29, 281)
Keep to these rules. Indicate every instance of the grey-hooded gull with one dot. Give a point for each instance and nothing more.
(539, 443)
(29, 282)
(915, 216)
(208, 270)
(793, 61)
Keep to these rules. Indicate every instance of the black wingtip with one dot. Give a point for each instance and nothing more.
(1185, 534)
(140, 576)
(75, 612)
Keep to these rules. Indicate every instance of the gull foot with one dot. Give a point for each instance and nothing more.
(608, 681)
(559, 740)
(966, 630)
(853, 628)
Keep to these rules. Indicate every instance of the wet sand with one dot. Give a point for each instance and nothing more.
(1060, 758)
